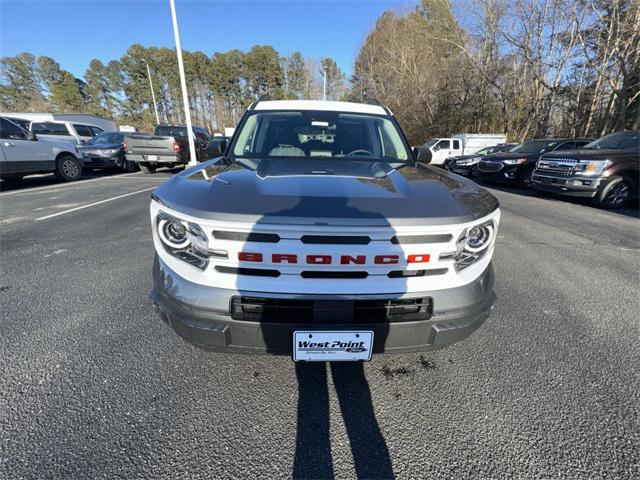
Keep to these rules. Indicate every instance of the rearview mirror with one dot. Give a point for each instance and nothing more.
(422, 154)
(216, 147)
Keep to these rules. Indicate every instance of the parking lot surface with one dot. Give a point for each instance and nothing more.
(94, 385)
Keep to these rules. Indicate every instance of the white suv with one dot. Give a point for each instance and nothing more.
(71, 131)
(22, 153)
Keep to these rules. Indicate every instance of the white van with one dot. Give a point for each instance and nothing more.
(460, 144)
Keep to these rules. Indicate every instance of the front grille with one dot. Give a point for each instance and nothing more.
(345, 274)
(274, 310)
(254, 272)
(557, 167)
(490, 166)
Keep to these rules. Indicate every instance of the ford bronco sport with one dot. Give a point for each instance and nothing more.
(318, 233)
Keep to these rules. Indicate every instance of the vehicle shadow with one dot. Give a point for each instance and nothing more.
(313, 457)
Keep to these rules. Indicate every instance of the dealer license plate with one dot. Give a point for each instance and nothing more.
(152, 157)
(332, 346)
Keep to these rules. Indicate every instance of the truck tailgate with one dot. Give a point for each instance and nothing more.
(150, 145)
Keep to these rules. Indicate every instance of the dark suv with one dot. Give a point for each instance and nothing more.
(606, 170)
(517, 165)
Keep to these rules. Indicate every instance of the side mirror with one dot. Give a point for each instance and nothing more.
(436, 148)
(422, 154)
(216, 147)
(31, 136)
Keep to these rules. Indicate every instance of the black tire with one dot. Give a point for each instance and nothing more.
(615, 194)
(473, 173)
(129, 167)
(68, 168)
(148, 168)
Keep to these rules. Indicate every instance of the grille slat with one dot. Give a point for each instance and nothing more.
(335, 240)
(246, 236)
(412, 239)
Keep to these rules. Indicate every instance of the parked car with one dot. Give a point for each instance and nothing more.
(167, 147)
(322, 238)
(106, 151)
(606, 170)
(468, 164)
(460, 144)
(23, 154)
(517, 165)
(75, 132)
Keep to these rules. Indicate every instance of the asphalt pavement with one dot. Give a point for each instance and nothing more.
(94, 385)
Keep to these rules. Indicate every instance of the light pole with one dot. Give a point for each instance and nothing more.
(153, 95)
(183, 83)
(324, 83)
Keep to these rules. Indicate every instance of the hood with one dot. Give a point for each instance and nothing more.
(500, 156)
(592, 154)
(61, 144)
(323, 192)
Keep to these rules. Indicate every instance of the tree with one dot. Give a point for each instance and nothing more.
(295, 75)
(262, 73)
(66, 94)
(20, 88)
(335, 78)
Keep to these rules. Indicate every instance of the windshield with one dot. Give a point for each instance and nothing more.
(617, 141)
(319, 134)
(534, 146)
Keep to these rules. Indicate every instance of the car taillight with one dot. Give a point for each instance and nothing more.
(177, 148)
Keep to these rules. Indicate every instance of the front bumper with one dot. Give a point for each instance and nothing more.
(584, 187)
(98, 161)
(201, 315)
(507, 174)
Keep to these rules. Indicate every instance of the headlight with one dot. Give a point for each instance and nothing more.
(184, 240)
(515, 161)
(591, 167)
(472, 245)
(467, 161)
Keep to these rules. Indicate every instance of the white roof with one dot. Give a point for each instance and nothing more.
(320, 105)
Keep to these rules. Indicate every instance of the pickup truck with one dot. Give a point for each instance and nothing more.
(460, 144)
(320, 234)
(23, 153)
(606, 170)
(167, 147)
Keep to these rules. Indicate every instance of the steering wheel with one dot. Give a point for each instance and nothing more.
(359, 151)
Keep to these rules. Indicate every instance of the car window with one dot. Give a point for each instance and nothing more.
(171, 131)
(49, 128)
(10, 130)
(566, 146)
(201, 134)
(534, 146)
(95, 130)
(456, 144)
(83, 130)
(319, 134)
(629, 140)
(444, 144)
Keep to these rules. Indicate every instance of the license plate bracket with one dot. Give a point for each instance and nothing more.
(332, 346)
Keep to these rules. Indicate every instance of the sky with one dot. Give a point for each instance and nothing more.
(75, 31)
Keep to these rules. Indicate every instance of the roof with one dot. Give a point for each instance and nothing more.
(321, 105)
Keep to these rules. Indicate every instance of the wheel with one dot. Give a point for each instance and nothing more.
(473, 173)
(615, 194)
(128, 166)
(148, 168)
(68, 168)
(524, 180)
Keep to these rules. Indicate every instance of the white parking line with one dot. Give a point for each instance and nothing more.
(82, 207)
(69, 184)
